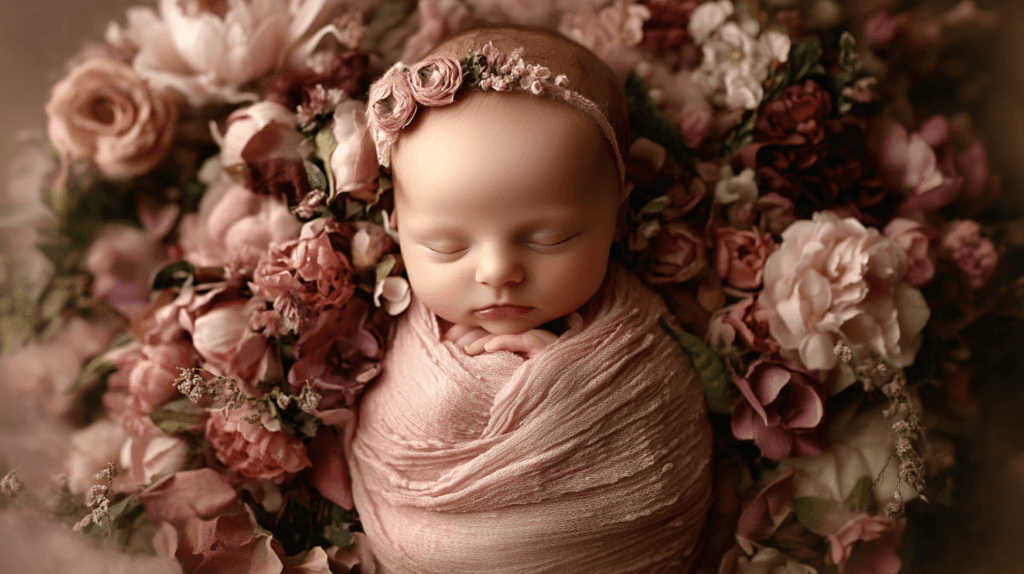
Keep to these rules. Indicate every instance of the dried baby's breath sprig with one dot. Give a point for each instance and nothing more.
(98, 501)
(224, 389)
(10, 487)
(308, 399)
(875, 373)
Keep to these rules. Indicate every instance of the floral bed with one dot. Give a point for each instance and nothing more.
(199, 277)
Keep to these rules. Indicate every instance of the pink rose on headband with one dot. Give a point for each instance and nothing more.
(434, 81)
(391, 103)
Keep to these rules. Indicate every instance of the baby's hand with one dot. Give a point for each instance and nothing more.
(530, 344)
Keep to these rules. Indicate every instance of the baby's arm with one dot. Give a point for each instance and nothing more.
(476, 341)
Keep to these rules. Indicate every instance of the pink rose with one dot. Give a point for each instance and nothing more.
(915, 239)
(433, 81)
(391, 105)
(147, 372)
(746, 319)
(222, 337)
(262, 131)
(354, 161)
(782, 409)
(123, 261)
(859, 543)
(104, 112)
(975, 255)
(234, 225)
(307, 275)
(339, 354)
(678, 253)
(834, 279)
(740, 256)
(253, 450)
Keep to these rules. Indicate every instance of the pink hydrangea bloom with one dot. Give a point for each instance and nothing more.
(782, 409)
(253, 450)
(976, 256)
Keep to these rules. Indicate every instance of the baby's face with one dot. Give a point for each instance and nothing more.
(505, 199)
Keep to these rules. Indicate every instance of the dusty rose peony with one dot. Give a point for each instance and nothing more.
(339, 354)
(434, 80)
(748, 321)
(975, 255)
(307, 275)
(740, 256)
(833, 279)
(354, 161)
(123, 260)
(678, 253)
(782, 409)
(859, 543)
(252, 450)
(915, 238)
(104, 112)
(234, 225)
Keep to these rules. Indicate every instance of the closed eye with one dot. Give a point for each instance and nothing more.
(548, 243)
(445, 249)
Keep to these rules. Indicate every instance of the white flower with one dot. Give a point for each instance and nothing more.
(707, 18)
(396, 293)
(208, 51)
(732, 188)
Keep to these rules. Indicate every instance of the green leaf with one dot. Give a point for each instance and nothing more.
(306, 424)
(97, 367)
(317, 179)
(646, 120)
(116, 510)
(860, 497)
(743, 134)
(338, 534)
(385, 266)
(805, 59)
(173, 417)
(811, 511)
(173, 275)
(656, 205)
(325, 146)
(709, 367)
(56, 300)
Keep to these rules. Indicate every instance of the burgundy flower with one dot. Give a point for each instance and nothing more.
(666, 28)
(782, 409)
(678, 253)
(434, 80)
(307, 275)
(817, 161)
(740, 256)
(338, 354)
(347, 72)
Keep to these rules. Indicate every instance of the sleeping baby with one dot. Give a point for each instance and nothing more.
(532, 415)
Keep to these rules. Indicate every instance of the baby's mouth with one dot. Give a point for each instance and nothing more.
(503, 311)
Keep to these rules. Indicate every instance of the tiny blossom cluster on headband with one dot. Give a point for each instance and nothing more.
(434, 81)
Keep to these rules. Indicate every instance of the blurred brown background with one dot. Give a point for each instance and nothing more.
(38, 36)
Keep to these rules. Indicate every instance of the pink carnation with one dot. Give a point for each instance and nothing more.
(740, 256)
(782, 410)
(859, 543)
(253, 450)
(975, 255)
(434, 80)
(391, 104)
(833, 279)
(307, 275)
(678, 253)
(915, 238)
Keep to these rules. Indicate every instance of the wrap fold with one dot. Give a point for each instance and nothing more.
(594, 456)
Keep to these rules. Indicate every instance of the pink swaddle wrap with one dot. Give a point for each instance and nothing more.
(591, 457)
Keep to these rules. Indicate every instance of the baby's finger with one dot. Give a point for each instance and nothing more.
(471, 336)
(527, 343)
(478, 346)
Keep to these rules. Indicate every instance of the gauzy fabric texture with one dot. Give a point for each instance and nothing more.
(591, 457)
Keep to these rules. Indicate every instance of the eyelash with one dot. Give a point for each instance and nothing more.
(534, 243)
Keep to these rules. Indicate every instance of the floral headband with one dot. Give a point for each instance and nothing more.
(434, 81)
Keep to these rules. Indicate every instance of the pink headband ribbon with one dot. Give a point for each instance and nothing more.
(434, 81)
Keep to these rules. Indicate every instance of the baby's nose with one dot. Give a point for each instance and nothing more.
(499, 267)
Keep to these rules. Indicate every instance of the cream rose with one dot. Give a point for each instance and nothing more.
(833, 279)
(103, 111)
